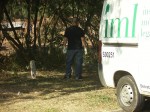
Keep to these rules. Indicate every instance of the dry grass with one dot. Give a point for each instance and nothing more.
(50, 93)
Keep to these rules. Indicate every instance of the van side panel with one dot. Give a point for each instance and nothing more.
(119, 21)
(118, 59)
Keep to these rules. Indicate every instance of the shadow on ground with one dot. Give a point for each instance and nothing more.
(46, 82)
(49, 82)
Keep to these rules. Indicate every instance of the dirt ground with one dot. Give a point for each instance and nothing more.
(49, 92)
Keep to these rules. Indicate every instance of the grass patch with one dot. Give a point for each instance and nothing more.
(103, 99)
(52, 110)
(51, 93)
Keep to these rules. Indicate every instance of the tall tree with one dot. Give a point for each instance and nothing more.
(49, 18)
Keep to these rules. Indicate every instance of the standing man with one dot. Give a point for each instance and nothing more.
(74, 36)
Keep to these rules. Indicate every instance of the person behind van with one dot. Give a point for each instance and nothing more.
(74, 36)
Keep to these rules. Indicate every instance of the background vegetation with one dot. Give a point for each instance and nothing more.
(40, 36)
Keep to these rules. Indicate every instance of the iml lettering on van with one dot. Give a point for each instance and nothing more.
(112, 21)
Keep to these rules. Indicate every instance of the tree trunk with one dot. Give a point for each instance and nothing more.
(19, 44)
(35, 21)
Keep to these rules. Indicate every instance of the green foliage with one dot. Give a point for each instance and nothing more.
(14, 62)
(50, 18)
(50, 58)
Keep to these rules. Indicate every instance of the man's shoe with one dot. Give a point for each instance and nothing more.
(67, 77)
(79, 78)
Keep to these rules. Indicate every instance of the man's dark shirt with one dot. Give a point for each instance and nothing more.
(74, 34)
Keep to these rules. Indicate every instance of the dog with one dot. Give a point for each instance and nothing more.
(33, 69)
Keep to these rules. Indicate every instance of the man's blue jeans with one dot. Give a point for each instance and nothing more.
(77, 56)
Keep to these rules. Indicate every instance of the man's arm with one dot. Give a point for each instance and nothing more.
(65, 40)
(84, 44)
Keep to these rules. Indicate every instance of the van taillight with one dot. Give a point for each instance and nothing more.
(99, 51)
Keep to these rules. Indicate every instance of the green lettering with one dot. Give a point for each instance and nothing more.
(134, 20)
(107, 8)
(119, 23)
(106, 27)
(119, 26)
(106, 21)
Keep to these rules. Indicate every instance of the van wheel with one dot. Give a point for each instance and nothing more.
(128, 95)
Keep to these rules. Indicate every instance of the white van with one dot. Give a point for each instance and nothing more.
(124, 51)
